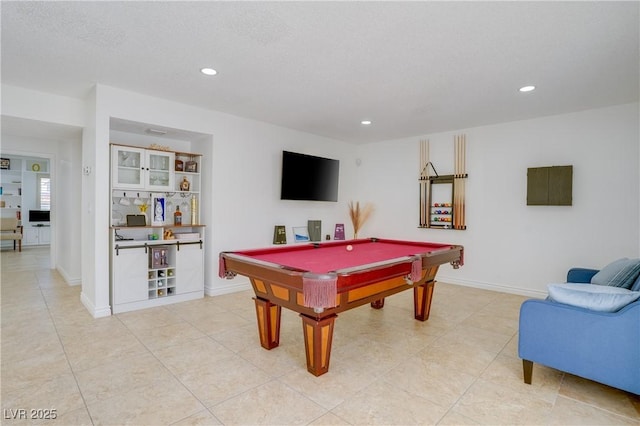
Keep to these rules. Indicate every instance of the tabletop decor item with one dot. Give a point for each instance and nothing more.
(191, 166)
(300, 234)
(279, 235)
(185, 184)
(159, 147)
(194, 210)
(158, 212)
(359, 216)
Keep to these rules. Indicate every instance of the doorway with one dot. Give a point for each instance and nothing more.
(51, 157)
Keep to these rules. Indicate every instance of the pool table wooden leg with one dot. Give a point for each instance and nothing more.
(422, 296)
(318, 335)
(378, 304)
(268, 315)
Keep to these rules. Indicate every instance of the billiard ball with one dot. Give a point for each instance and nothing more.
(349, 247)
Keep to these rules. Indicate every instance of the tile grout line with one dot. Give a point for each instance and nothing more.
(66, 357)
(169, 370)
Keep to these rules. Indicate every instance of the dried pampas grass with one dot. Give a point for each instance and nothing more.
(359, 216)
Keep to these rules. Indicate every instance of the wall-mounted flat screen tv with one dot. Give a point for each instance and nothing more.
(39, 216)
(306, 177)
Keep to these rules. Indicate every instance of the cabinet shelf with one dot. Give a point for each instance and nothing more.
(157, 226)
(127, 236)
(11, 193)
(162, 282)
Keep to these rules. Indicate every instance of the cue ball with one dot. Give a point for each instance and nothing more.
(349, 247)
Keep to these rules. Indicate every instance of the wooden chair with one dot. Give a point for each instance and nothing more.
(10, 229)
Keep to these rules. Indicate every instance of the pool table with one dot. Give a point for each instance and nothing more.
(320, 280)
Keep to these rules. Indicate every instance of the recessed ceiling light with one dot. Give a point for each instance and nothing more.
(366, 122)
(208, 71)
(528, 88)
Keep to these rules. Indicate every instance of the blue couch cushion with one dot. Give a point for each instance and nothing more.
(592, 296)
(636, 285)
(620, 273)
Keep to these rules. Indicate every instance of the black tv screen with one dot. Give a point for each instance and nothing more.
(306, 177)
(39, 216)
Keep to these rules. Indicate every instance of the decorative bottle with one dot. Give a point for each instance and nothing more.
(194, 210)
(177, 216)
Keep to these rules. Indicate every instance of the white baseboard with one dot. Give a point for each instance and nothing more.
(233, 286)
(95, 312)
(160, 301)
(69, 280)
(493, 287)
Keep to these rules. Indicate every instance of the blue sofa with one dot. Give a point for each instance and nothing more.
(600, 346)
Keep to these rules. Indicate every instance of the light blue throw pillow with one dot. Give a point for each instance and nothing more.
(620, 273)
(592, 296)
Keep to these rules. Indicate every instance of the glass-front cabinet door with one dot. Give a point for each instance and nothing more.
(159, 168)
(127, 167)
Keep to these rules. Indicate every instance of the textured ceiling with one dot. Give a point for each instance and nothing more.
(321, 67)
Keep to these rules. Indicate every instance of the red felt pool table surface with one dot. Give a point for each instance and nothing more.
(334, 257)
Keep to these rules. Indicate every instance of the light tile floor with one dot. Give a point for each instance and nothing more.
(200, 362)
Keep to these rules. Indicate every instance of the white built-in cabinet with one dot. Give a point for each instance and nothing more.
(153, 273)
(143, 169)
(128, 276)
(36, 235)
(189, 262)
(163, 263)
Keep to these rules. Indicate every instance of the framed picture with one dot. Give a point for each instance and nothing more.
(159, 257)
(339, 232)
(300, 234)
(5, 163)
(279, 235)
(158, 213)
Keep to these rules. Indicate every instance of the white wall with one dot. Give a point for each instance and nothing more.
(509, 245)
(40, 106)
(90, 273)
(241, 177)
(68, 191)
(241, 158)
